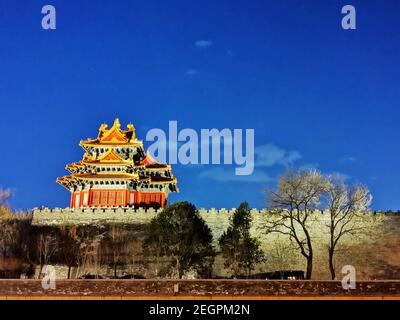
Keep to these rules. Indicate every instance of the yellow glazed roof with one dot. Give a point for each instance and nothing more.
(114, 136)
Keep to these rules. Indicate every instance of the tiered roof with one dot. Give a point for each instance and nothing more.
(114, 136)
(102, 161)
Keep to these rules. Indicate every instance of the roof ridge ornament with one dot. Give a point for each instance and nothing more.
(132, 128)
(117, 124)
(102, 130)
(114, 134)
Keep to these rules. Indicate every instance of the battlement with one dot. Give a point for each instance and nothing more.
(84, 216)
(380, 236)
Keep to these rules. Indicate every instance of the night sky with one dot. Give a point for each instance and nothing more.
(316, 95)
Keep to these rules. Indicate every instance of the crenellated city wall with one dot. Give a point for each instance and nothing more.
(84, 216)
(81, 216)
(373, 252)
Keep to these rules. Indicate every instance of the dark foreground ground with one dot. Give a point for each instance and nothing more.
(197, 289)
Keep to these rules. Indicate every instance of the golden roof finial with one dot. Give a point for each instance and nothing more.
(131, 127)
(103, 127)
(117, 124)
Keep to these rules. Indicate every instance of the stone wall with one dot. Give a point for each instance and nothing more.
(374, 252)
(87, 216)
(195, 289)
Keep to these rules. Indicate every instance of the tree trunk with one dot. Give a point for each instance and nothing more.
(178, 268)
(69, 272)
(331, 265)
(115, 271)
(40, 270)
(309, 267)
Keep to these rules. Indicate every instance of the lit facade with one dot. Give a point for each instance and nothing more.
(116, 172)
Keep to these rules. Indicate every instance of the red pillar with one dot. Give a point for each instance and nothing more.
(71, 203)
(126, 198)
(89, 198)
(163, 200)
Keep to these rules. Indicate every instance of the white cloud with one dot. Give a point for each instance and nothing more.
(191, 72)
(309, 166)
(269, 155)
(339, 176)
(348, 159)
(228, 174)
(203, 43)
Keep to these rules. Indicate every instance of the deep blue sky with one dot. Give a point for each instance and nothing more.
(316, 95)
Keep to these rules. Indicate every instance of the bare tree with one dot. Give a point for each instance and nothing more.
(47, 247)
(5, 210)
(116, 245)
(295, 199)
(7, 238)
(89, 252)
(70, 245)
(282, 256)
(344, 204)
(134, 250)
(4, 195)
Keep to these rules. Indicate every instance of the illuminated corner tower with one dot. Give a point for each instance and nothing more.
(116, 172)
